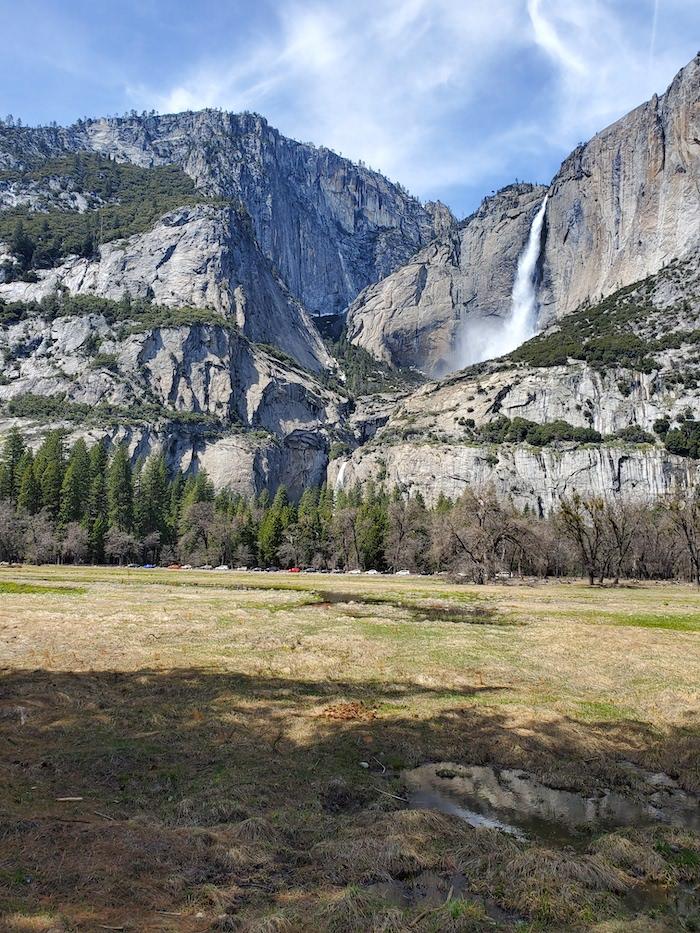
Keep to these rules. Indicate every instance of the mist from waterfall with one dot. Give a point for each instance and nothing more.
(487, 339)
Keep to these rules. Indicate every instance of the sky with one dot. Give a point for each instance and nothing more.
(453, 98)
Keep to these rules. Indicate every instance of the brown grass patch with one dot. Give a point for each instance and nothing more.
(355, 711)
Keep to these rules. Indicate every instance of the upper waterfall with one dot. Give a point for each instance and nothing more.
(492, 338)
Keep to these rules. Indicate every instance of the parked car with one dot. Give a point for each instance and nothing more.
(206, 567)
(242, 569)
(295, 569)
(403, 573)
(222, 567)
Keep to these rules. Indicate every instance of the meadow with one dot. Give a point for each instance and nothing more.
(190, 751)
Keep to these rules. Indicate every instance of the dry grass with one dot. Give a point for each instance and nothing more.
(214, 725)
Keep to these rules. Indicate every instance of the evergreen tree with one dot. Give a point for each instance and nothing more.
(49, 466)
(10, 470)
(96, 513)
(153, 497)
(120, 501)
(29, 498)
(75, 489)
(270, 536)
(309, 525)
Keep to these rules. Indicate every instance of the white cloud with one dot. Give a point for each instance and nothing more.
(413, 86)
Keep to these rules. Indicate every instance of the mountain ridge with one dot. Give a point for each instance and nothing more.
(198, 317)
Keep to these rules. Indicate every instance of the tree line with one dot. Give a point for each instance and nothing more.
(92, 505)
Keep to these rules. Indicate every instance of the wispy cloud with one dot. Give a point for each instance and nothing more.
(440, 93)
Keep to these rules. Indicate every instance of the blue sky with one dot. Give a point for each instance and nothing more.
(453, 98)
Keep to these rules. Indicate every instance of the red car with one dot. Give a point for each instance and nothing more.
(295, 569)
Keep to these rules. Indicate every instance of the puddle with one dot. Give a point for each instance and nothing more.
(431, 890)
(681, 900)
(469, 614)
(516, 803)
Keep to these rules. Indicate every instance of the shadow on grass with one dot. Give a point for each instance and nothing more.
(212, 792)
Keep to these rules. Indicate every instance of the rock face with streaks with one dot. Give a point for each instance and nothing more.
(204, 394)
(536, 478)
(628, 201)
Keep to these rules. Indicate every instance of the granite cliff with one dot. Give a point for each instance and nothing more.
(620, 207)
(161, 279)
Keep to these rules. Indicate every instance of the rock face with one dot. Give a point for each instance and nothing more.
(628, 201)
(203, 394)
(420, 314)
(202, 257)
(620, 208)
(329, 227)
(529, 477)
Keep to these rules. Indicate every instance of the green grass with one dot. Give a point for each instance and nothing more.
(37, 589)
(678, 623)
(602, 711)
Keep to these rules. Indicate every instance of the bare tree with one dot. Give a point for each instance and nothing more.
(74, 547)
(120, 545)
(407, 536)
(620, 520)
(42, 544)
(345, 534)
(581, 522)
(12, 533)
(684, 513)
(199, 524)
(481, 530)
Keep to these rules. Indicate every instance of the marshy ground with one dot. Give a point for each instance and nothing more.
(194, 751)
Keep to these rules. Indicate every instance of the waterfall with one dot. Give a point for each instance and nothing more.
(489, 339)
(522, 323)
(340, 478)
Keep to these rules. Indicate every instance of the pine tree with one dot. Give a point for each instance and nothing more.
(270, 536)
(10, 472)
(120, 501)
(29, 498)
(49, 466)
(309, 525)
(153, 497)
(75, 489)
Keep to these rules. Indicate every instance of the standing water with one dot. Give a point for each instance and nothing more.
(486, 339)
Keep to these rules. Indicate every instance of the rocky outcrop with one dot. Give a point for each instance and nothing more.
(528, 476)
(329, 227)
(201, 369)
(202, 257)
(577, 393)
(418, 315)
(627, 202)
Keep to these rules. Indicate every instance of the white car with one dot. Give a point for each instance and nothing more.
(222, 567)
(372, 573)
(402, 573)
(355, 571)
